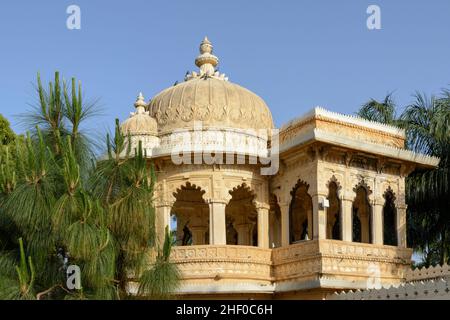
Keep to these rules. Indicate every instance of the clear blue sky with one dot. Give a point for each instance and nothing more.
(294, 54)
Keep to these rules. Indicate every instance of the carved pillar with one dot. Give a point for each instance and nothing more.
(198, 235)
(217, 225)
(401, 226)
(263, 226)
(319, 217)
(377, 222)
(244, 234)
(162, 219)
(274, 228)
(346, 220)
(284, 208)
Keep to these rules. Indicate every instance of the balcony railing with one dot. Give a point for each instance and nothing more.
(222, 261)
(306, 265)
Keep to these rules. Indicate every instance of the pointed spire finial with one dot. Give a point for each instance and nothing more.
(140, 103)
(206, 61)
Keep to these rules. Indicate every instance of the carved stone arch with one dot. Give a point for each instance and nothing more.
(231, 187)
(190, 215)
(333, 179)
(334, 209)
(362, 213)
(300, 213)
(363, 183)
(241, 215)
(299, 183)
(197, 183)
(247, 188)
(189, 186)
(390, 191)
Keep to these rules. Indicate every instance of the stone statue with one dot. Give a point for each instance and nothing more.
(187, 235)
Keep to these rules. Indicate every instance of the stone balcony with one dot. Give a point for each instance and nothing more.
(337, 265)
(313, 266)
(224, 269)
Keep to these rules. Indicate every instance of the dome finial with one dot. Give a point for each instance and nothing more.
(206, 46)
(140, 103)
(206, 61)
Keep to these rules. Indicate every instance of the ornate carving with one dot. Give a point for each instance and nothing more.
(433, 290)
(348, 157)
(389, 192)
(335, 180)
(363, 184)
(381, 163)
(433, 272)
(227, 261)
(299, 183)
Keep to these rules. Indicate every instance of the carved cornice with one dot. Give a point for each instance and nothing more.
(320, 113)
(362, 146)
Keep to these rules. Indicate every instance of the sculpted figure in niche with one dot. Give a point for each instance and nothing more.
(187, 235)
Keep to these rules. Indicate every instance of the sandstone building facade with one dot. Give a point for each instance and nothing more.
(330, 216)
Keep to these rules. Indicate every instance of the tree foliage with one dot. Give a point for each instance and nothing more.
(7, 136)
(427, 125)
(60, 210)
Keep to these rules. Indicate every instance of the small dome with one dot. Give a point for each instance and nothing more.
(209, 97)
(139, 122)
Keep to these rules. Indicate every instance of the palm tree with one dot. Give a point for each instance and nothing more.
(380, 111)
(69, 212)
(427, 125)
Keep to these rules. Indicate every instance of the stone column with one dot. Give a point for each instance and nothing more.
(263, 226)
(198, 235)
(346, 220)
(401, 226)
(162, 219)
(284, 208)
(377, 222)
(274, 229)
(319, 218)
(217, 224)
(244, 234)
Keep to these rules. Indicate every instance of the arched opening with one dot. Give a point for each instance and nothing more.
(361, 216)
(232, 234)
(389, 219)
(190, 216)
(274, 223)
(333, 213)
(241, 218)
(300, 214)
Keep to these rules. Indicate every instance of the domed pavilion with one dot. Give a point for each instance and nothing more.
(300, 211)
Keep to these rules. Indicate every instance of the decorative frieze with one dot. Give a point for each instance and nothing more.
(322, 260)
(428, 290)
(433, 272)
